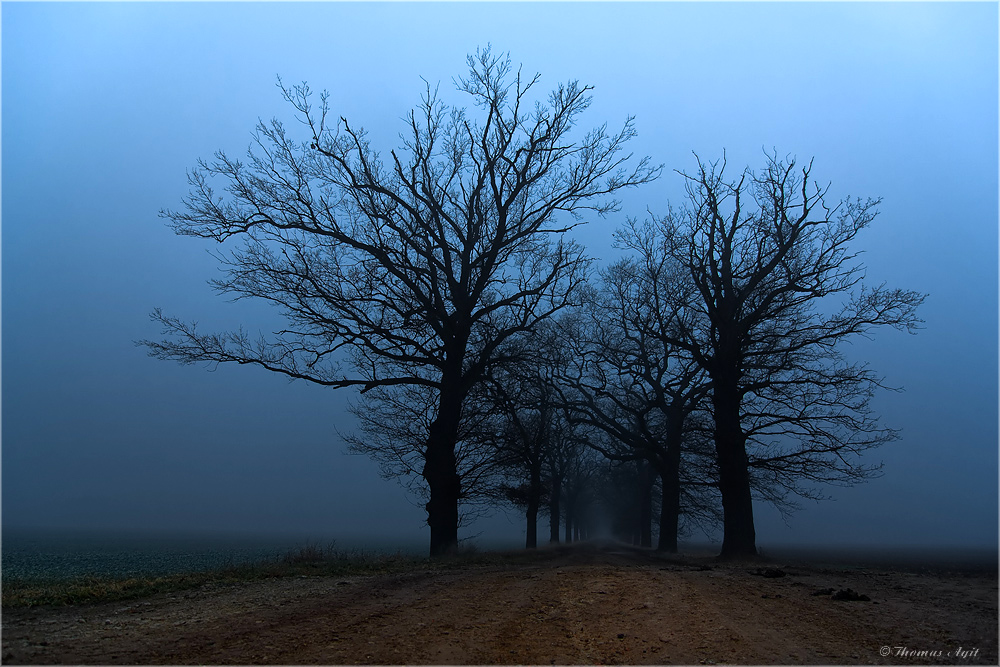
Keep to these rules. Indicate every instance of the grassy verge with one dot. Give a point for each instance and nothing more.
(310, 560)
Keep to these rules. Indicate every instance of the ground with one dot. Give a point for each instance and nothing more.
(586, 604)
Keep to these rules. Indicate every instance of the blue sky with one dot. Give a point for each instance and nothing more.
(104, 107)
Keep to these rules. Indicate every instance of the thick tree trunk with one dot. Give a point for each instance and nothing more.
(554, 510)
(531, 539)
(739, 537)
(441, 473)
(442, 508)
(670, 480)
(670, 507)
(669, 519)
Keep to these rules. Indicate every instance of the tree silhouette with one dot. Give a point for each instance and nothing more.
(536, 443)
(778, 288)
(414, 270)
(625, 378)
(529, 431)
(563, 461)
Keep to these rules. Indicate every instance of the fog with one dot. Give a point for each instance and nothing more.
(105, 106)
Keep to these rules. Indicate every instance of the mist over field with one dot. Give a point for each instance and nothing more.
(107, 108)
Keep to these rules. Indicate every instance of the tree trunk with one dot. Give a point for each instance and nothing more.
(531, 539)
(738, 538)
(670, 480)
(669, 513)
(534, 500)
(441, 473)
(569, 520)
(554, 510)
(646, 481)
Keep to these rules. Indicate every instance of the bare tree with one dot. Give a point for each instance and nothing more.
(626, 379)
(410, 270)
(529, 430)
(648, 302)
(579, 486)
(564, 455)
(778, 289)
(534, 439)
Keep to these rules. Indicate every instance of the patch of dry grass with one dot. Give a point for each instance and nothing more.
(309, 560)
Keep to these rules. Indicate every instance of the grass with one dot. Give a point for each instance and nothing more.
(83, 590)
(308, 560)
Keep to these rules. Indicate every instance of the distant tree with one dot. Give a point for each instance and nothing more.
(534, 439)
(413, 270)
(701, 510)
(778, 288)
(566, 449)
(579, 492)
(624, 493)
(626, 378)
(529, 430)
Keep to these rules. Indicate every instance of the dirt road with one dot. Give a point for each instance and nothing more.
(581, 605)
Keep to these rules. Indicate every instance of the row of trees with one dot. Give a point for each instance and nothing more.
(441, 283)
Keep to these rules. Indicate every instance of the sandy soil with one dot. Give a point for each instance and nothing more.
(586, 604)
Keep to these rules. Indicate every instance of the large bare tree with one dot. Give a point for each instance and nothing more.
(778, 288)
(411, 269)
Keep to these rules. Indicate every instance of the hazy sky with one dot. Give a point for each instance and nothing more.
(104, 107)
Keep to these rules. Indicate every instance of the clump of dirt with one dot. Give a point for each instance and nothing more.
(850, 595)
(770, 572)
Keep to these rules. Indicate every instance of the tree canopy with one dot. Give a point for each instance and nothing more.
(415, 269)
